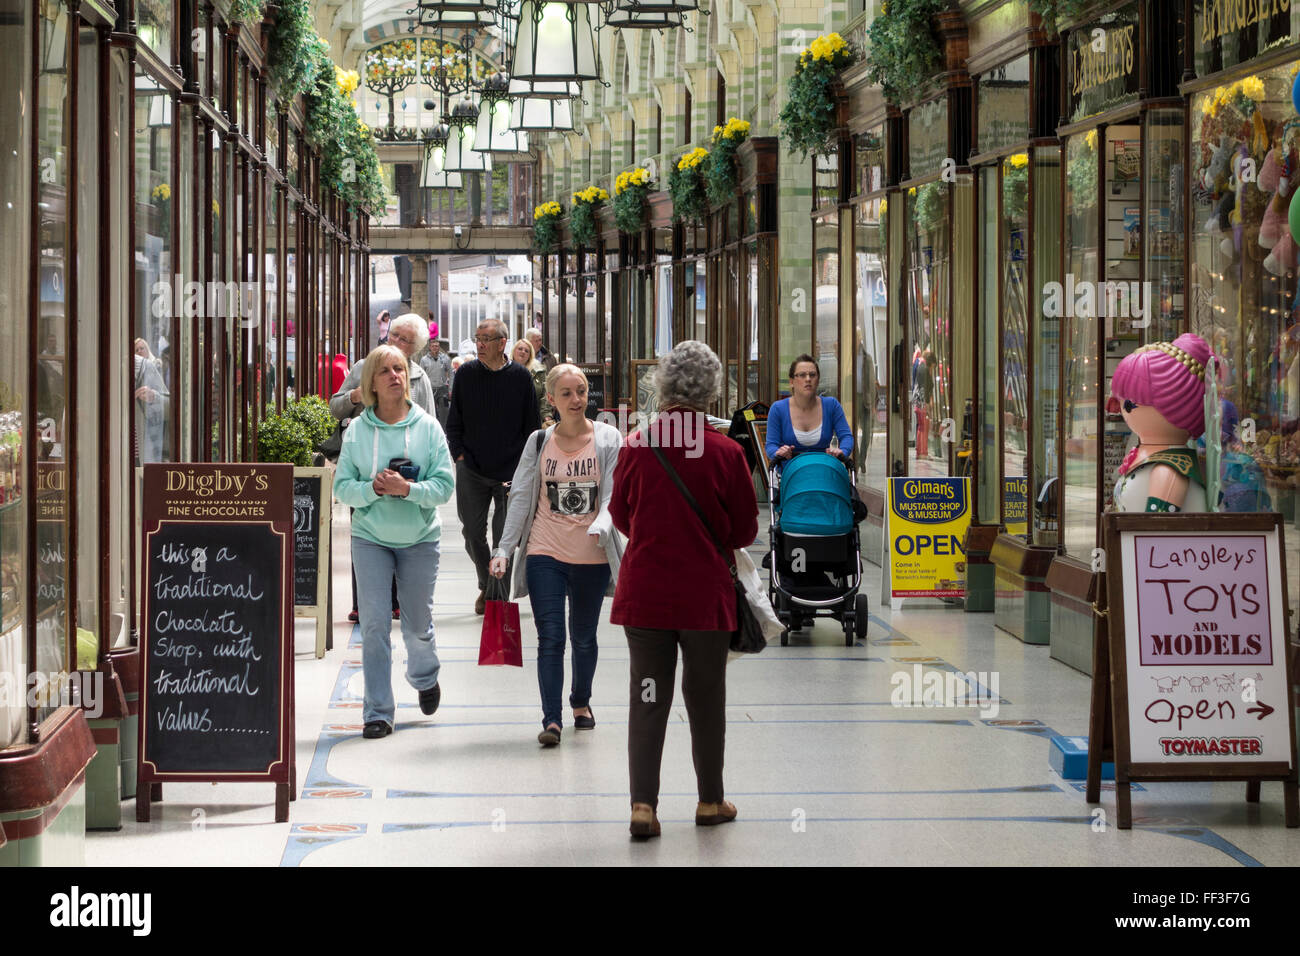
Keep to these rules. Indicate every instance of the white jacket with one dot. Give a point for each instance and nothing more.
(526, 488)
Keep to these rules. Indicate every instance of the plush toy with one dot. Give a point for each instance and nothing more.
(1160, 390)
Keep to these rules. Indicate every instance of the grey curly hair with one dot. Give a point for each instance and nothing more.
(417, 327)
(689, 375)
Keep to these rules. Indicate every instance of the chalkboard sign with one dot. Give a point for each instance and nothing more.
(216, 660)
(596, 388)
(1196, 652)
(312, 594)
(306, 539)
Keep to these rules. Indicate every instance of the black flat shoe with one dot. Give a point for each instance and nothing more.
(376, 729)
(429, 699)
(585, 722)
(549, 737)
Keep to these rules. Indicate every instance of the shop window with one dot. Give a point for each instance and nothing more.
(872, 333)
(928, 138)
(51, 368)
(869, 161)
(89, 403)
(15, 271)
(1243, 289)
(826, 296)
(154, 26)
(1081, 377)
(1162, 239)
(826, 180)
(1014, 397)
(1003, 98)
(989, 475)
(929, 327)
(1044, 233)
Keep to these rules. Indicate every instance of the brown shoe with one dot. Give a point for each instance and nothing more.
(644, 822)
(478, 605)
(711, 814)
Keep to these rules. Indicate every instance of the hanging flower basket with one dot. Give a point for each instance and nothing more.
(905, 51)
(546, 225)
(687, 186)
(582, 215)
(721, 173)
(808, 117)
(631, 193)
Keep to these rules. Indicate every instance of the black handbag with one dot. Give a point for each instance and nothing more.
(748, 637)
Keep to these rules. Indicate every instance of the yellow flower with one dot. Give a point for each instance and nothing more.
(1091, 139)
(911, 191)
(884, 206)
(693, 158)
(1019, 160)
(1253, 87)
(551, 208)
(161, 191)
(216, 209)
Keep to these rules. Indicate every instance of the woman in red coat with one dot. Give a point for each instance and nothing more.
(674, 587)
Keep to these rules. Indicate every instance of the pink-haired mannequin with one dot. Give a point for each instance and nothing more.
(1160, 390)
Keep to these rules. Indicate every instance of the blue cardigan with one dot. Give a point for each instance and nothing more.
(781, 432)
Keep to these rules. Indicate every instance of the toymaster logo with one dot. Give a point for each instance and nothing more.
(1087, 300)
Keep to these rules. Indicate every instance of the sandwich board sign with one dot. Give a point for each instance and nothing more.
(1199, 664)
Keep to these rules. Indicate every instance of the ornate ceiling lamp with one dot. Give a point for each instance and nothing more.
(556, 42)
(544, 90)
(493, 133)
(541, 115)
(435, 148)
(635, 16)
(461, 155)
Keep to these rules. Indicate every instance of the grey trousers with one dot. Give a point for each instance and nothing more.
(474, 495)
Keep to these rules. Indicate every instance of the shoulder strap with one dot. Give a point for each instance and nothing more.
(690, 500)
(541, 437)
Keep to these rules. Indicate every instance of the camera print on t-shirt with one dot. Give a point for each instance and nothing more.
(571, 487)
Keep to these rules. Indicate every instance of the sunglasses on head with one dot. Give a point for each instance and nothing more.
(1113, 405)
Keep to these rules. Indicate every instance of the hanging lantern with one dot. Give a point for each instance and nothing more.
(436, 148)
(556, 90)
(443, 180)
(542, 115)
(461, 155)
(493, 133)
(636, 16)
(456, 16)
(556, 42)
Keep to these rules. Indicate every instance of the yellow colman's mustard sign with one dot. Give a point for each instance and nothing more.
(1222, 17)
(1094, 62)
(928, 518)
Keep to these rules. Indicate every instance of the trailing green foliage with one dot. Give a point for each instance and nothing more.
(247, 11)
(905, 51)
(928, 206)
(720, 172)
(582, 224)
(293, 49)
(687, 187)
(546, 225)
(1055, 12)
(349, 162)
(631, 193)
(808, 117)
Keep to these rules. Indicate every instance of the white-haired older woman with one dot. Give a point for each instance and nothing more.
(394, 470)
(674, 587)
(410, 333)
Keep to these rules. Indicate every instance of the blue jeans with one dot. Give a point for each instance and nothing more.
(549, 581)
(416, 569)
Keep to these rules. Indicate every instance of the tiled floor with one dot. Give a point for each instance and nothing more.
(822, 768)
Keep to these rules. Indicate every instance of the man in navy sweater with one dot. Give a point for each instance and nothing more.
(493, 411)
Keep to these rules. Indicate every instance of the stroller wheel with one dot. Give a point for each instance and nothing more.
(862, 614)
(850, 634)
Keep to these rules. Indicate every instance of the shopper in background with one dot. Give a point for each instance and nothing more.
(151, 401)
(437, 366)
(804, 421)
(522, 352)
(674, 588)
(493, 411)
(406, 333)
(540, 351)
(559, 518)
(382, 322)
(394, 470)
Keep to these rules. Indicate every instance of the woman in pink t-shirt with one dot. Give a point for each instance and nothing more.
(558, 517)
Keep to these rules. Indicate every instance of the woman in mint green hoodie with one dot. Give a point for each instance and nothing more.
(394, 469)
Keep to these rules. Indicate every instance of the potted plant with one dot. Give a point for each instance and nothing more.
(721, 172)
(582, 215)
(293, 436)
(808, 117)
(631, 193)
(546, 225)
(687, 186)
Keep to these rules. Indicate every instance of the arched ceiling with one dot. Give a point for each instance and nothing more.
(382, 20)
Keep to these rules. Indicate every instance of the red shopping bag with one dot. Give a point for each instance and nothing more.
(501, 643)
